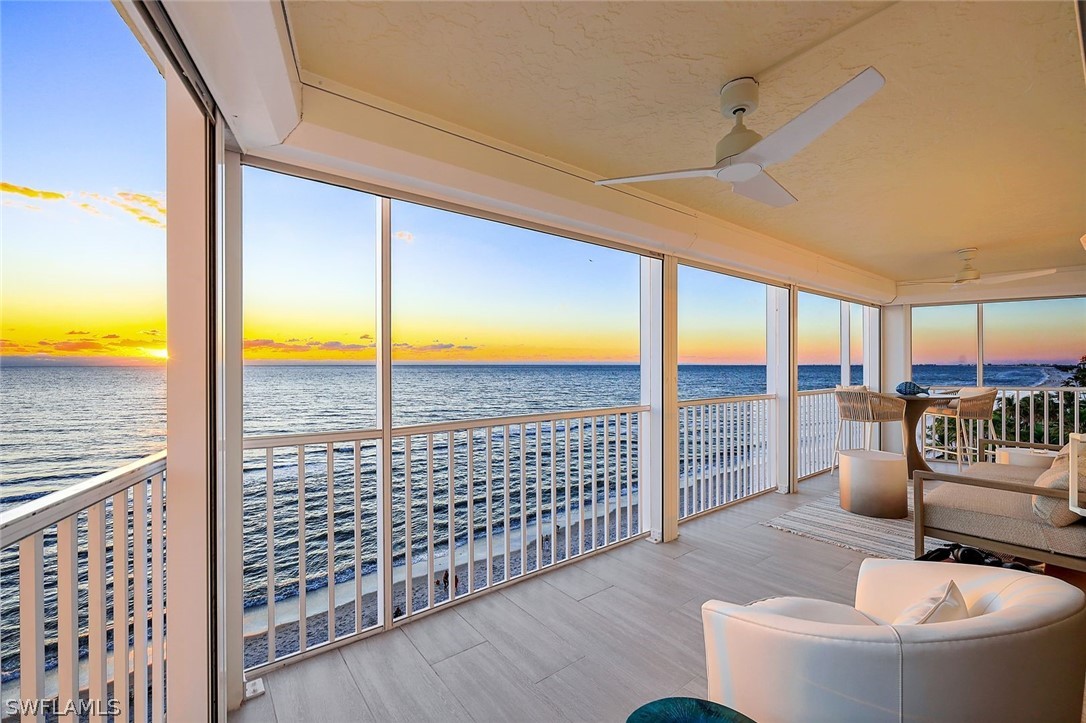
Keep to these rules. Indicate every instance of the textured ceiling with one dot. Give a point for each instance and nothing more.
(977, 139)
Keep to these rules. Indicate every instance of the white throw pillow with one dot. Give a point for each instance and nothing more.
(943, 604)
(819, 611)
(1057, 512)
(852, 388)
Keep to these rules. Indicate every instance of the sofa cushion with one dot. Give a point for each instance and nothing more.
(1004, 472)
(1057, 512)
(999, 515)
(819, 611)
(942, 604)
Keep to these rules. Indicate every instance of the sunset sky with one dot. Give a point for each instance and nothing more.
(83, 252)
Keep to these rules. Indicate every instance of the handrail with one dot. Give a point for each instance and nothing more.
(522, 419)
(724, 400)
(813, 392)
(290, 440)
(303, 438)
(36, 515)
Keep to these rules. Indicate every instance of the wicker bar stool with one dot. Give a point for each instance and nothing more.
(972, 404)
(868, 408)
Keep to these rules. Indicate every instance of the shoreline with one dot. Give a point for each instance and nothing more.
(287, 629)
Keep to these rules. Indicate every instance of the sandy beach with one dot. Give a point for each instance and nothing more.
(424, 593)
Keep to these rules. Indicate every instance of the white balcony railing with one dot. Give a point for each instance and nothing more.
(91, 603)
(473, 504)
(723, 451)
(817, 429)
(1045, 415)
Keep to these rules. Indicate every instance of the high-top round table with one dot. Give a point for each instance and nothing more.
(915, 406)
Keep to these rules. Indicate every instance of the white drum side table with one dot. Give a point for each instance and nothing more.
(873, 483)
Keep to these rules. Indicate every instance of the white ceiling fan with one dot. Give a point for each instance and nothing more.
(743, 155)
(969, 275)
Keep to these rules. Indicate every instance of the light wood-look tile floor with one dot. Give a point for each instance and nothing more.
(591, 641)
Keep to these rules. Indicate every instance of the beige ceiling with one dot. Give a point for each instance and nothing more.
(977, 139)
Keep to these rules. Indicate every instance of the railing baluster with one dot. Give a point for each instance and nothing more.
(595, 477)
(330, 538)
(68, 610)
(120, 604)
(158, 607)
(507, 469)
(538, 496)
(269, 483)
(139, 601)
(471, 510)
(96, 603)
(356, 474)
(489, 506)
(582, 445)
(523, 502)
(408, 527)
(450, 516)
(431, 596)
(302, 580)
(31, 621)
(554, 492)
(569, 519)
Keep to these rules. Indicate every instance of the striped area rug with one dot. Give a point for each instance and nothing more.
(825, 521)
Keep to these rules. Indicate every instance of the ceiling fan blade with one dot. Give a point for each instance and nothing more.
(764, 188)
(665, 176)
(948, 281)
(797, 133)
(1006, 278)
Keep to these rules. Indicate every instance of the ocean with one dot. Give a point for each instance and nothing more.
(59, 425)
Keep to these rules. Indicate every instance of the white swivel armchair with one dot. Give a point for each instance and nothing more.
(1021, 655)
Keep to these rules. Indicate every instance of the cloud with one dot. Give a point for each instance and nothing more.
(274, 345)
(340, 346)
(405, 236)
(290, 341)
(364, 337)
(142, 199)
(129, 343)
(6, 187)
(111, 336)
(81, 345)
(152, 332)
(440, 346)
(144, 208)
(78, 333)
(288, 346)
(10, 203)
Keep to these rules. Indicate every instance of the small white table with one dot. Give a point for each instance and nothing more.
(1024, 457)
(873, 483)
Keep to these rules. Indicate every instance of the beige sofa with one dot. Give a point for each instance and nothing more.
(991, 506)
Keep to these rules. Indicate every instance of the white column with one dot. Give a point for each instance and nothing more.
(896, 357)
(872, 366)
(190, 412)
(231, 379)
(980, 345)
(872, 347)
(779, 383)
(846, 343)
(658, 496)
(384, 405)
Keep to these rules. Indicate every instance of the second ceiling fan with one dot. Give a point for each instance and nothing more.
(743, 155)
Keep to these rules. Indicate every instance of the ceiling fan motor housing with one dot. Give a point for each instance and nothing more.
(739, 96)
